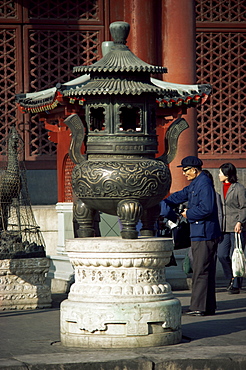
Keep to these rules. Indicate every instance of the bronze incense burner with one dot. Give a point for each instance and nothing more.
(119, 173)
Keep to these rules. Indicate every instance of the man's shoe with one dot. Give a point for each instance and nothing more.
(195, 313)
(233, 290)
(200, 313)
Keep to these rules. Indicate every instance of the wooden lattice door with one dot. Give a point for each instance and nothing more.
(51, 56)
(221, 62)
(42, 41)
(11, 79)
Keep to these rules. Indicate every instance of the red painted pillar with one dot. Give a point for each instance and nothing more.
(142, 15)
(61, 135)
(178, 55)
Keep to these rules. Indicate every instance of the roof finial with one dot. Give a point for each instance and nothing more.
(119, 31)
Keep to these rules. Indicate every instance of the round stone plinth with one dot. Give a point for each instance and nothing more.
(120, 298)
(122, 325)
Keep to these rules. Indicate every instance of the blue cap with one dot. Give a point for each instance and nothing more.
(191, 161)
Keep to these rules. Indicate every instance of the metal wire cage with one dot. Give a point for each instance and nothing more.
(20, 236)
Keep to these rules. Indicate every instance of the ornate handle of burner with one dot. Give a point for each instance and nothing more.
(78, 133)
(171, 139)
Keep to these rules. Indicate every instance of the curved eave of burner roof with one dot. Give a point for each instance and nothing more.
(163, 90)
(116, 86)
(120, 59)
(178, 94)
(182, 89)
(46, 100)
(43, 98)
(167, 94)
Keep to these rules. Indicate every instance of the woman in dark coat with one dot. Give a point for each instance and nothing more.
(233, 221)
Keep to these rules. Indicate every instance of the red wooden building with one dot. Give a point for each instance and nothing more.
(200, 42)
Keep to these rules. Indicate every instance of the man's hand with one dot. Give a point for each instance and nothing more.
(184, 213)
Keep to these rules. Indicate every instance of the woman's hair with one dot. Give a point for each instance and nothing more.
(230, 171)
(209, 175)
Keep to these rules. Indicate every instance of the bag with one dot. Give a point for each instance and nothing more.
(187, 264)
(181, 234)
(238, 259)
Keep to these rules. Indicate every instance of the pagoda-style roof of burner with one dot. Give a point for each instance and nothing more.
(120, 58)
(171, 94)
(115, 86)
(118, 72)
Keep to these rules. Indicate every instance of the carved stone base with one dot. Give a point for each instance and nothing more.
(22, 284)
(120, 298)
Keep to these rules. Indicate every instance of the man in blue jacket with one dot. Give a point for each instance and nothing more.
(202, 215)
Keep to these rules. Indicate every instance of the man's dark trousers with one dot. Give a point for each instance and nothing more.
(204, 274)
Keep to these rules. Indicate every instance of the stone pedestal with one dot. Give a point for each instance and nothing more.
(22, 284)
(120, 297)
